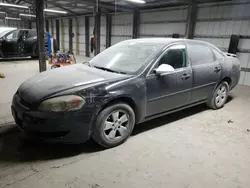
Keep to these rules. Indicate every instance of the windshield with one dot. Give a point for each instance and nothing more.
(126, 57)
(2, 33)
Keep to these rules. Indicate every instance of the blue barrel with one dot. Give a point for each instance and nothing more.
(49, 46)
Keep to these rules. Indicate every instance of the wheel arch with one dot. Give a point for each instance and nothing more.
(228, 80)
(123, 99)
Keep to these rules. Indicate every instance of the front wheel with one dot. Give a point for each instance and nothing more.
(219, 97)
(114, 125)
(55, 66)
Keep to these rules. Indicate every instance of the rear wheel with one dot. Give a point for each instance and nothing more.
(219, 97)
(114, 125)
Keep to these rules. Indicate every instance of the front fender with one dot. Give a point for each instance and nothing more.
(137, 103)
(131, 91)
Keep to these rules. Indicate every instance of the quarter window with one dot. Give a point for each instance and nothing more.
(200, 54)
(175, 56)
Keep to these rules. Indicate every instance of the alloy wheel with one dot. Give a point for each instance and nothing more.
(116, 125)
(221, 96)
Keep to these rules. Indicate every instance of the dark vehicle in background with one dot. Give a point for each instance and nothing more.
(129, 83)
(20, 43)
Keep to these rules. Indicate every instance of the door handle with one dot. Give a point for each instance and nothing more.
(185, 76)
(217, 69)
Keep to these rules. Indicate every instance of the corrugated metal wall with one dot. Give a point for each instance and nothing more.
(2, 23)
(33, 25)
(163, 23)
(53, 28)
(81, 21)
(17, 24)
(62, 43)
(74, 23)
(122, 27)
(217, 22)
(66, 34)
(103, 33)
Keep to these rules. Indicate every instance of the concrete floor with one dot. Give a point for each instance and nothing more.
(194, 148)
(17, 71)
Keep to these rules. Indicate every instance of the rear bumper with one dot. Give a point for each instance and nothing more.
(70, 127)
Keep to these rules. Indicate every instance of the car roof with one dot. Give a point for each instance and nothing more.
(25, 29)
(166, 41)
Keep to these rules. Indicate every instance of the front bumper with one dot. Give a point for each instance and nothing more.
(68, 127)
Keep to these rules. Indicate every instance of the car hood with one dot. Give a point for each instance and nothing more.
(57, 80)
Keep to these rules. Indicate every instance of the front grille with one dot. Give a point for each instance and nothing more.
(24, 103)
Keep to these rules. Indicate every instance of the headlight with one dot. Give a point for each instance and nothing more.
(62, 104)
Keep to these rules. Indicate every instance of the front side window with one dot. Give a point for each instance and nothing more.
(25, 34)
(200, 54)
(175, 56)
(126, 57)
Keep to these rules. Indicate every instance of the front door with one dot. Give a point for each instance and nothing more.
(10, 46)
(171, 90)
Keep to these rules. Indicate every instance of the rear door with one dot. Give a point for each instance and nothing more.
(206, 71)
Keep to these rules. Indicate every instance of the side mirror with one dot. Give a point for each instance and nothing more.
(164, 68)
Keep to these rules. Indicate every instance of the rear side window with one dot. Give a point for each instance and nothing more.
(200, 54)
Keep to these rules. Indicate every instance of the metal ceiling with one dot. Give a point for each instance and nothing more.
(80, 7)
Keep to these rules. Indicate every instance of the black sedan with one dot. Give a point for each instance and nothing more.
(20, 43)
(130, 82)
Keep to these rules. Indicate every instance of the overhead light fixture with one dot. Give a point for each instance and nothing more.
(137, 1)
(28, 15)
(10, 18)
(55, 11)
(13, 5)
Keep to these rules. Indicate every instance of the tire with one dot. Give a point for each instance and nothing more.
(20, 46)
(219, 97)
(34, 57)
(111, 127)
(1, 54)
(55, 66)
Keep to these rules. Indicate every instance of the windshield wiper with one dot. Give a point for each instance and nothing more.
(109, 70)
